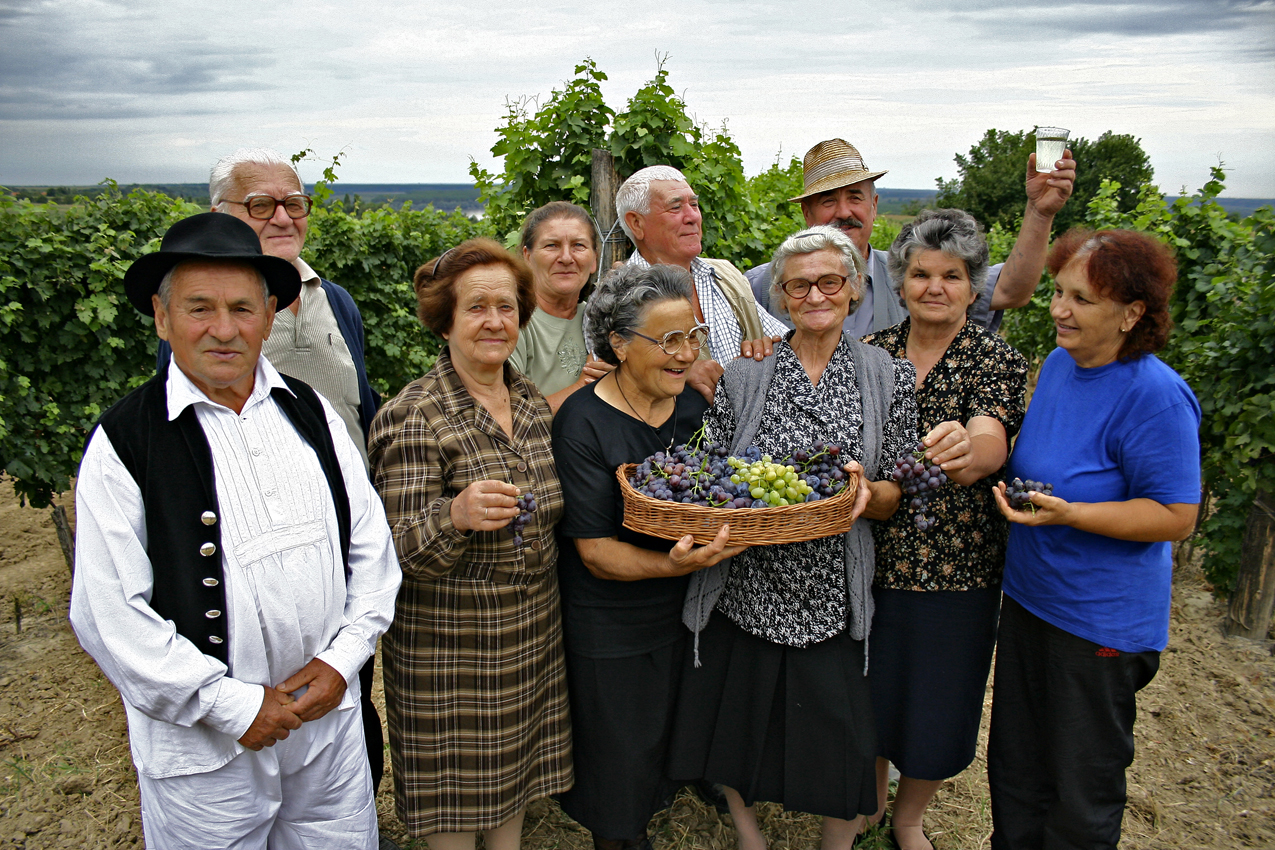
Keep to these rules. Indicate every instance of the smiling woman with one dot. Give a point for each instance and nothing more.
(473, 662)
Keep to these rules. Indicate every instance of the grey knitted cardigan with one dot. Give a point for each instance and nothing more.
(747, 385)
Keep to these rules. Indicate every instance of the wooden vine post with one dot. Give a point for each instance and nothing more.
(66, 537)
(602, 200)
(1252, 604)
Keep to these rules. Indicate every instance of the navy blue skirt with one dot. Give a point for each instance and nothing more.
(931, 652)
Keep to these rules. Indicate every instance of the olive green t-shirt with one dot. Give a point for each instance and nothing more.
(551, 351)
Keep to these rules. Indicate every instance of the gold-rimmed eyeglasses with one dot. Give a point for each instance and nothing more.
(829, 284)
(671, 343)
(262, 207)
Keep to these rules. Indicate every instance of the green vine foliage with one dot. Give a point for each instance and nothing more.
(548, 155)
(374, 254)
(70, 342)
(1223, 343)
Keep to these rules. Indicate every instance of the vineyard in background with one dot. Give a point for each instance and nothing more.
(70, 345)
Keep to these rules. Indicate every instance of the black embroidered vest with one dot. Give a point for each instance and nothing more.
(172, 465)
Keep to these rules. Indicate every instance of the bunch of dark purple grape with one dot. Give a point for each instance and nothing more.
(919, 480)
(527, 506)
(708, 476)
(1018, 493)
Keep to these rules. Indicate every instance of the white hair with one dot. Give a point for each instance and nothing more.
(166, 282)
(222, 178)
(635, 193)
(821, 237)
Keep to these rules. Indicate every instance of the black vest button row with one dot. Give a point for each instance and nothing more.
(213, 614)
(208, 549)
(215, 639)
(211, 582)
(208, 518)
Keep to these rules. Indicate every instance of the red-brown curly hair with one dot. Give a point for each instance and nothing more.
(435, 281)
(1125, 266)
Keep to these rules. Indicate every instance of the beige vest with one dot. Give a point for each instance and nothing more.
(739, 294)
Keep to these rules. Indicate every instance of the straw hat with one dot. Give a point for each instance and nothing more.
(831, 165)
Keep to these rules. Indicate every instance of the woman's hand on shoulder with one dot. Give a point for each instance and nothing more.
(686, 557)
(485, 506)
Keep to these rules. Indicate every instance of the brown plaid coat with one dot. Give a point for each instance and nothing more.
(475, 689)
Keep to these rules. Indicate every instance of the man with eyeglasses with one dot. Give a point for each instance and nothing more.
(840, 190)
(318, 339)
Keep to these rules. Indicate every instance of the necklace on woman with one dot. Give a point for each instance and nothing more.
(654, 430)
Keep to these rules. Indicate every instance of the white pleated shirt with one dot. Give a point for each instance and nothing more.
(287, 597)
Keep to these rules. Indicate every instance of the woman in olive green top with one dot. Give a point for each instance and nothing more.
(560, 243)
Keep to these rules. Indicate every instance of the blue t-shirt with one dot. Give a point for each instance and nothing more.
(1118, 432)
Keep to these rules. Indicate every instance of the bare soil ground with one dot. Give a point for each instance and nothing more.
(1204, 776)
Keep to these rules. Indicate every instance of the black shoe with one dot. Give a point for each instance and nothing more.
(639, 843)
(712, 795)
(387, 844)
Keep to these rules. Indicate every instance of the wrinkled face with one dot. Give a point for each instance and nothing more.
(562, 257)
(484, 327)
(216, 321)
(1090, 326)
(816, 312)
(280, 236)
(672, 231)
(852, 209)
(936, 288)
(658, 375)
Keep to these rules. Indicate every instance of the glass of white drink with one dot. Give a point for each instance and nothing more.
(1050, 144)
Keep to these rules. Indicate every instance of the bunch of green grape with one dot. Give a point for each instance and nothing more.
(776, 484)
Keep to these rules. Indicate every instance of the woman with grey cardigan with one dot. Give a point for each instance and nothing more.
(774, 704)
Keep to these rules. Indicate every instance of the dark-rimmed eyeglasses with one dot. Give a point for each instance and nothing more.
(671, 343)
(262, 207)
(829, 284)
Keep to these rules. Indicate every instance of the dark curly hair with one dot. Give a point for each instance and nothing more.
(435, 281)
(1125, 266)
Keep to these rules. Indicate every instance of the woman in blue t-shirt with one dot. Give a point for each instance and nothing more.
(1088, 569)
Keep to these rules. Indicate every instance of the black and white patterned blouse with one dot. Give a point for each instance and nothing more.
(979, 375)
(795, 593)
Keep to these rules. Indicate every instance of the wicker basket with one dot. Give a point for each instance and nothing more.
(760, 527)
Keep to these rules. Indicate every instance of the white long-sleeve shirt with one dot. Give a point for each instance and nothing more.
(287, 597)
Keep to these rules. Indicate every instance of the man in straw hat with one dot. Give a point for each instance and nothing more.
(233, 566)
(840, 190)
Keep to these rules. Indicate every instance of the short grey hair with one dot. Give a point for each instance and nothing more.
(635, 194)
(822, 237)
(621, 300)
(222, 178)
(954, 232)
(166, 282)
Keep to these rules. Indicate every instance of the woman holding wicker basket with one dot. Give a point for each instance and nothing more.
(622, 591)
(775, 704)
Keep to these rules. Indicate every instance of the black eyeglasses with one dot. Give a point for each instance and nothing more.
(262, 207)
(829, 284)
(671, 343)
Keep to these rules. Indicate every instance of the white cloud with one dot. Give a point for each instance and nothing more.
(147, 91)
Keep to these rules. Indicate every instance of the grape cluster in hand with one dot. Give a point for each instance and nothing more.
(527, 506)
(1018, 493)
(919, 480)
(709, 477)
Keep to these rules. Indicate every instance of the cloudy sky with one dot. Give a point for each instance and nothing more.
(148, 91)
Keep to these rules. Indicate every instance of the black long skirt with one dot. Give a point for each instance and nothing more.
(931, 653)
(778, 723)
(621, 717)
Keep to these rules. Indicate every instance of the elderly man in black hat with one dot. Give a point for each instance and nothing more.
(233, 565)
(841, 190)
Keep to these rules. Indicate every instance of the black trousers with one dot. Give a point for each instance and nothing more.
(372, 724)
(1062, 735)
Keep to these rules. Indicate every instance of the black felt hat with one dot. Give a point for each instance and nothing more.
(209, 236)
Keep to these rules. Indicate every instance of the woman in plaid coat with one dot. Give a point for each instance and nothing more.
(474, 684)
